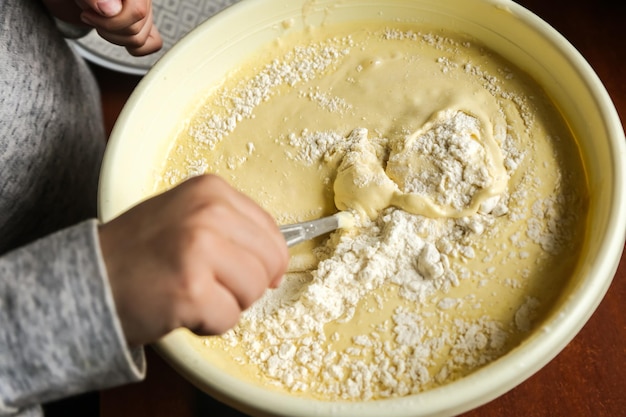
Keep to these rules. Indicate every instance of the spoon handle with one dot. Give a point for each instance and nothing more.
(300, 232)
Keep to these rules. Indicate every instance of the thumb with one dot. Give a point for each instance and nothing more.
(105, 8)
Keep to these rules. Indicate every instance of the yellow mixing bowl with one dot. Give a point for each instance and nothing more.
(171, 90)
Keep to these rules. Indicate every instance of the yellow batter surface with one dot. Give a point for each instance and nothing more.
(468, 190)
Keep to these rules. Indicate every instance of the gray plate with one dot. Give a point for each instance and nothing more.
(174, 18)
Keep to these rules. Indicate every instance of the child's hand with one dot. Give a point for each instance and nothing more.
(195, 256)
(123, 22)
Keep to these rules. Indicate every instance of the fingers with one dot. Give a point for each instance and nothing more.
(153, 43)
(259, 224)
(217, 312)
(241, 221)
(248, 263)
(128, 23)
(216, 281)
(216, 303)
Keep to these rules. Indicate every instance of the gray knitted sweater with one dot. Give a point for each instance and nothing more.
(59, 333)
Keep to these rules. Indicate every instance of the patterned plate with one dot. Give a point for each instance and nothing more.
(174, 18)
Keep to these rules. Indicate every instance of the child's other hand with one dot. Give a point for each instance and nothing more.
(128, 23)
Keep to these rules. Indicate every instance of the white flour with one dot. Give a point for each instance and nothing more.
(285, 333)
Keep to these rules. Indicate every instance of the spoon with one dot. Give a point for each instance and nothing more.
(301, 232)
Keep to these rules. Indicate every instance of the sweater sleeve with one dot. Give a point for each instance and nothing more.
(59, 332)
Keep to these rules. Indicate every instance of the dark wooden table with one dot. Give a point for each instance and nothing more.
(588, 378)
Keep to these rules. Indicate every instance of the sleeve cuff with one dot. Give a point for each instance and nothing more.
(135, 357)
(6, 410)
(60, 329)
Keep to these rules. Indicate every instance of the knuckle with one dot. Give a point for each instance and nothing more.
(215, 213)
(191, 282)
(209, 180)
(203, 185)
(139, 11)
(192, 238)
(190, 288)
(135, 40)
